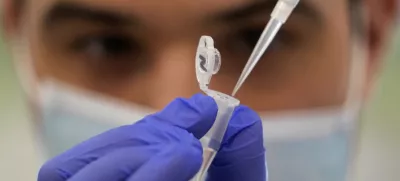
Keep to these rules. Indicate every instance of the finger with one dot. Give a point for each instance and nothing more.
(242, 154)
(117, 165)
(174, 163)
(70, 162)
(196, 115)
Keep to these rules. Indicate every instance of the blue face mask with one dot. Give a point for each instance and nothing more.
(311, 145)
(70, 116)
(304, 146)
(324, 158)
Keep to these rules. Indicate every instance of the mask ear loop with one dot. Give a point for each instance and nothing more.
(354, 104)
(356, 84)
(24, 67)
(355, 95)
(29, 82)
(358, 66)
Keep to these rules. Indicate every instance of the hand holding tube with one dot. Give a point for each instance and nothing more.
(165, 146)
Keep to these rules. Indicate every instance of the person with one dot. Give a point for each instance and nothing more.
(89, 66)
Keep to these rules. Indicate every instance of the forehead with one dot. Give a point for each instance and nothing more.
(150, 8)
(185, 9)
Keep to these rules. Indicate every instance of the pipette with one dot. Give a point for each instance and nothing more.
(208, 62)
(279, 15)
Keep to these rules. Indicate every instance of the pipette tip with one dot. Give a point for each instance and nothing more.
(234, 92)
(240, 82)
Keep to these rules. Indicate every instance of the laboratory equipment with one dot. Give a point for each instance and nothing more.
(208, 62)
(279, 15)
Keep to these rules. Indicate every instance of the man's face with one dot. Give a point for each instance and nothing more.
(143, 51)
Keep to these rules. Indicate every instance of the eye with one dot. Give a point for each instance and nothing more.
(250, 37)
(112, 56)
(242, 42)
(106, 46)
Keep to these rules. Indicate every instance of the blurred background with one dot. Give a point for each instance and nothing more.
(378, 158)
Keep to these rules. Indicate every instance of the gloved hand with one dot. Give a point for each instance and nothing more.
(164, 146)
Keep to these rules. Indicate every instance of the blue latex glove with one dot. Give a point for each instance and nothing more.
(164, 146)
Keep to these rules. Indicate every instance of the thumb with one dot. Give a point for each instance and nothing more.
(195, 115)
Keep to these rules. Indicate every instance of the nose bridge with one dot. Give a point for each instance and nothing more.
(173, 74)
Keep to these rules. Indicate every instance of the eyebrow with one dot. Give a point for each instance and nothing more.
(65, 11)
(304, 8)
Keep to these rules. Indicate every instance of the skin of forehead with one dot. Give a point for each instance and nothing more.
(148, 7)
(152, 11)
